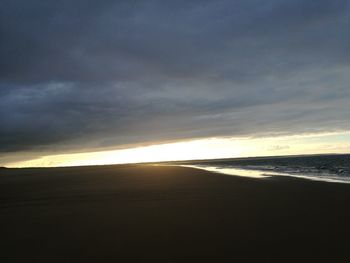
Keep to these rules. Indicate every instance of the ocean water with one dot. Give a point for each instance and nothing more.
(327, 168)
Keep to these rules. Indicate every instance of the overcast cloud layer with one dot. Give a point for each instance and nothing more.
(88, 74)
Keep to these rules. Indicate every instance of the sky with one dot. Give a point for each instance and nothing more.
(95, 77)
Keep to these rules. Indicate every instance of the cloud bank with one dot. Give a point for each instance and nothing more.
(78, 75)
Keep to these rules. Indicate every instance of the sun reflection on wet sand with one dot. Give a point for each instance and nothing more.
(231, 171)
(260, 174)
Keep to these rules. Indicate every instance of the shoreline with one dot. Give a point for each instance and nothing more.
(263, 174)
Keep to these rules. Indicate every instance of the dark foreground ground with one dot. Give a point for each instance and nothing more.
(168, 214)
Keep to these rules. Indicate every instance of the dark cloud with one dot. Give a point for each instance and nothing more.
(87, 74)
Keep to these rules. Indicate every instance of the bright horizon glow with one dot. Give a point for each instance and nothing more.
(211, 148)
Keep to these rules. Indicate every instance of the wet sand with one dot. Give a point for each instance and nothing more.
(143, 213)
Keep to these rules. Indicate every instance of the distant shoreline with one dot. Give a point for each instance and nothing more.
(197, 161)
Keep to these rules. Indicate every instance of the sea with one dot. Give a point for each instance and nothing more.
(327, 168)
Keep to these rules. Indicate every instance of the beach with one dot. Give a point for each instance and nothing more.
(155, 213)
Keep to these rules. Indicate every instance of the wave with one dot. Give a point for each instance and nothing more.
(335, 169)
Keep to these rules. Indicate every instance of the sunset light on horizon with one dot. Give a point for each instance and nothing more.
(202, 149)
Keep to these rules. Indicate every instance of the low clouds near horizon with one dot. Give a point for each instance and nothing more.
(91, 74)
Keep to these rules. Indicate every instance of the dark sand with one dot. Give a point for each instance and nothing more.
(145, 213)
